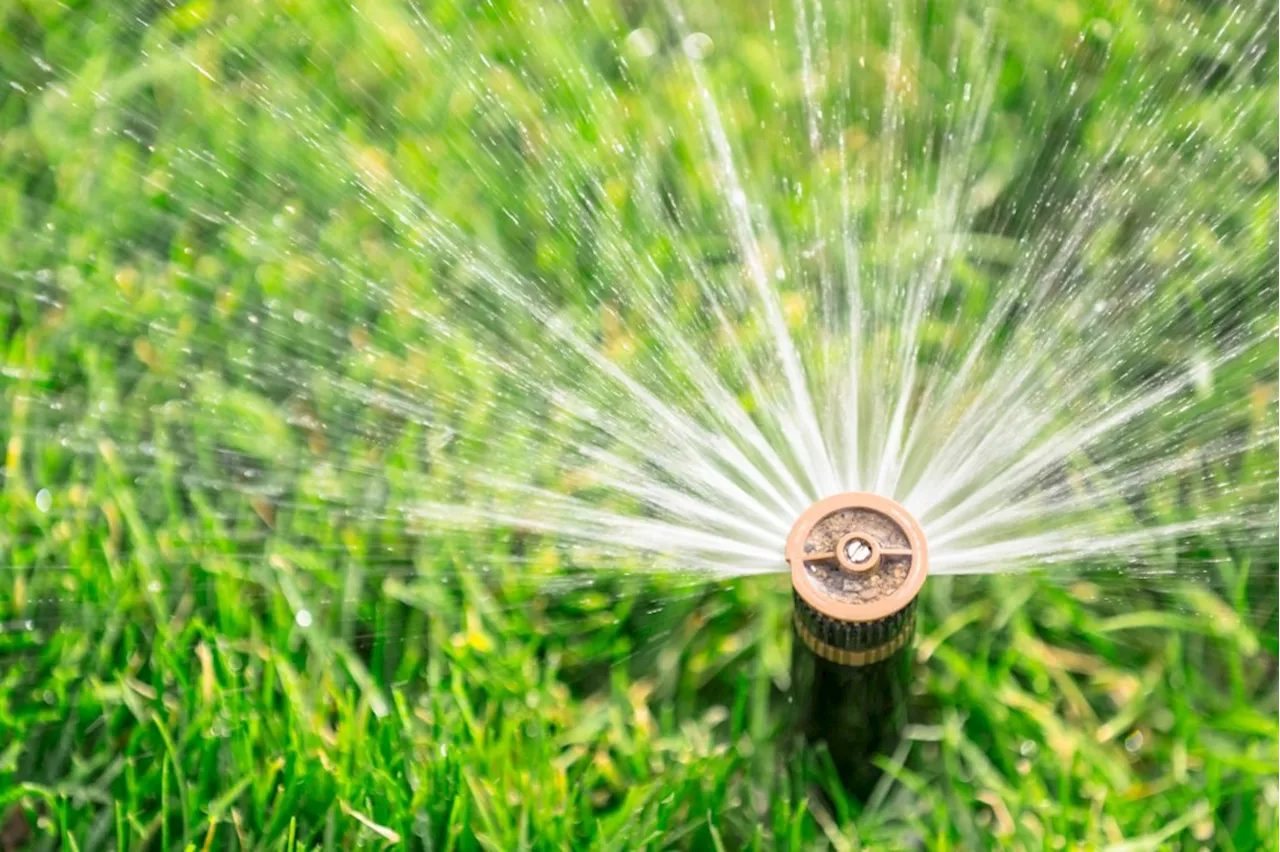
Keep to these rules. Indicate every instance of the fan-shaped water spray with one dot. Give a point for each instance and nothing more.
(679, 352)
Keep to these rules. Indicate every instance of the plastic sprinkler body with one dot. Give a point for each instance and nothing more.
(858, 562)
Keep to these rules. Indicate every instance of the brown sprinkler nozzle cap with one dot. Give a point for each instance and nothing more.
(857, 557)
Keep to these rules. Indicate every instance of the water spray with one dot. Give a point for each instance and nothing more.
(858, 562)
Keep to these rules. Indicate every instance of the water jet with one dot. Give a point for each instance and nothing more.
(858, 562)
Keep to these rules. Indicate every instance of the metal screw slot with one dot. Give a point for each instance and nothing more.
(857, 551)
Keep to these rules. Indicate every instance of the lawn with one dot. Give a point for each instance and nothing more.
(229, 367)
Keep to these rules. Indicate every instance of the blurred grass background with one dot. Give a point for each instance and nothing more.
(216, 631)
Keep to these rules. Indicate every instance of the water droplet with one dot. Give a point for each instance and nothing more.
(697, 45)
(44, 500)
(303, 618)
(1201, 371)
(642, 43)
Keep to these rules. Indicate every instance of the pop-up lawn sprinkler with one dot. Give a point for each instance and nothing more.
(857, 563)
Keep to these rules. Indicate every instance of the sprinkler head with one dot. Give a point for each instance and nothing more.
(857, 557)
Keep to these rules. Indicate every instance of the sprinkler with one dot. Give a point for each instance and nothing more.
(857, 563)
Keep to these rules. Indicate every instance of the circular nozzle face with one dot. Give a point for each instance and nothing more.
(857, 557)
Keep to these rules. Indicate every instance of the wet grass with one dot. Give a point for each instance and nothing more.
(217, 632)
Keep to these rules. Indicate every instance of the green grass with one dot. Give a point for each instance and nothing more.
(212, 475)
